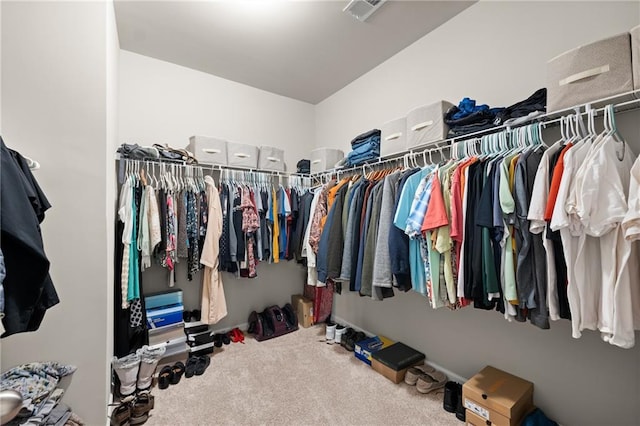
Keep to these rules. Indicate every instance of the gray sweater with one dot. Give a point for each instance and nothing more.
(382, 275)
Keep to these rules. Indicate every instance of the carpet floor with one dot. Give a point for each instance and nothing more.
(294, 379)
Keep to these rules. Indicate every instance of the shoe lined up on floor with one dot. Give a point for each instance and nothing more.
(197, 365)
(425, 378)
(134, 410)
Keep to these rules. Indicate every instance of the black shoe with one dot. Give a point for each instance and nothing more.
(190, 369)
(451, 392)
(202, 364)
(225, 338)
(350, 345)
(217, 340)
(346, 335)
(460, 413)
(164, 377)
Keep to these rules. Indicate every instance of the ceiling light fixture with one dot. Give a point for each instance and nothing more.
(362, 9)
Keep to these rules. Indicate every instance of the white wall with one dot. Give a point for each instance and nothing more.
(165, 103)
(160, 102)
(494, 52)
(113, 59)
(54, 109)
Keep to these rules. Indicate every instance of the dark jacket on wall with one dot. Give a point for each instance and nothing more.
(28, 288)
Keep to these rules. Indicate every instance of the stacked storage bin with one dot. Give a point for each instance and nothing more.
(165, 324)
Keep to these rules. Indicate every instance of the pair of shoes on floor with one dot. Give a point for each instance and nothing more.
(350, 338)
(452, 401)
(221, 338)
(133, 410)
(170, 375)
(334, 333)
(236, 335)
(189, 316)
(425, 378)
(197, 365)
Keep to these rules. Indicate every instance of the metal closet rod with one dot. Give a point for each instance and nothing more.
(181, 163)
(543, 120)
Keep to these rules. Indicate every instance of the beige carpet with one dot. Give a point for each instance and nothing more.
(293, 380)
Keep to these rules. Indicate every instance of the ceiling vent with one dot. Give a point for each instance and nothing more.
(362, 9)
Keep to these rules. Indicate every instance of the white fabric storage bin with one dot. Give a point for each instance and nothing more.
(325, 158)
(635, 56)
(271, 158)
(208, 150)
(426, 124)
(393, 136)
(590, 72)
(242, 155)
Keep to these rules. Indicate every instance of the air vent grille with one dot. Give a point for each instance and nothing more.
(362, 9)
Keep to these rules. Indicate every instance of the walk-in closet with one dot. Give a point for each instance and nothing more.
(340, 212)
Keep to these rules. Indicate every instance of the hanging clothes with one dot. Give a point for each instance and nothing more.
(28, 288)
(214, 306)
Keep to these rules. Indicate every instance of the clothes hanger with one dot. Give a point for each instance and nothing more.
(615, 132)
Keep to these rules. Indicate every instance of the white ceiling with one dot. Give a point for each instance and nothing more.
(305, 50)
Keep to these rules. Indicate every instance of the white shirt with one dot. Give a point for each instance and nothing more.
(560, 221)
(602, 205)
(312, 272)
(537, 206)
(125, 214)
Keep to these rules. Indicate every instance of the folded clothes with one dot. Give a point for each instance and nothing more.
(137, 152)
(365, 137)
(35, 380)
(534, 103)
(364, 152)
(470, 128)
(468, 117)
(467, 107)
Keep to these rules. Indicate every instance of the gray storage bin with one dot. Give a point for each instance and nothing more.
(635, 56)
(393, 136)
(208, 150)
(242, 155)
(271, 158)
(591, 72)
(426, 124)
(325, 158)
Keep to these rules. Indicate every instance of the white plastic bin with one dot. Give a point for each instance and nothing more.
(393, 136)
(271, 158)
(242, 155)
(426, 124)
(590, 72)
(208, 150)
(325, 158)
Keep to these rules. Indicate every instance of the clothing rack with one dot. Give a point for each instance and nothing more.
(624, 102)
(228, 173)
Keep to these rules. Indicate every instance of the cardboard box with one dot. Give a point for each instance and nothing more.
(497, 396)
(389, 373)
(294, 301)
(473, 419)
(366, 347)
(394, 361)
(305, 313)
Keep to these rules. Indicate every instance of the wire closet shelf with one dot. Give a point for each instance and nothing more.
(628, 101)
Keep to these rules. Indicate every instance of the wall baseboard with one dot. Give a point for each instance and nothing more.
(450, 374)
(244, 326)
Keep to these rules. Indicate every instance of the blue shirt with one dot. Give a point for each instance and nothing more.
(418, 277)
